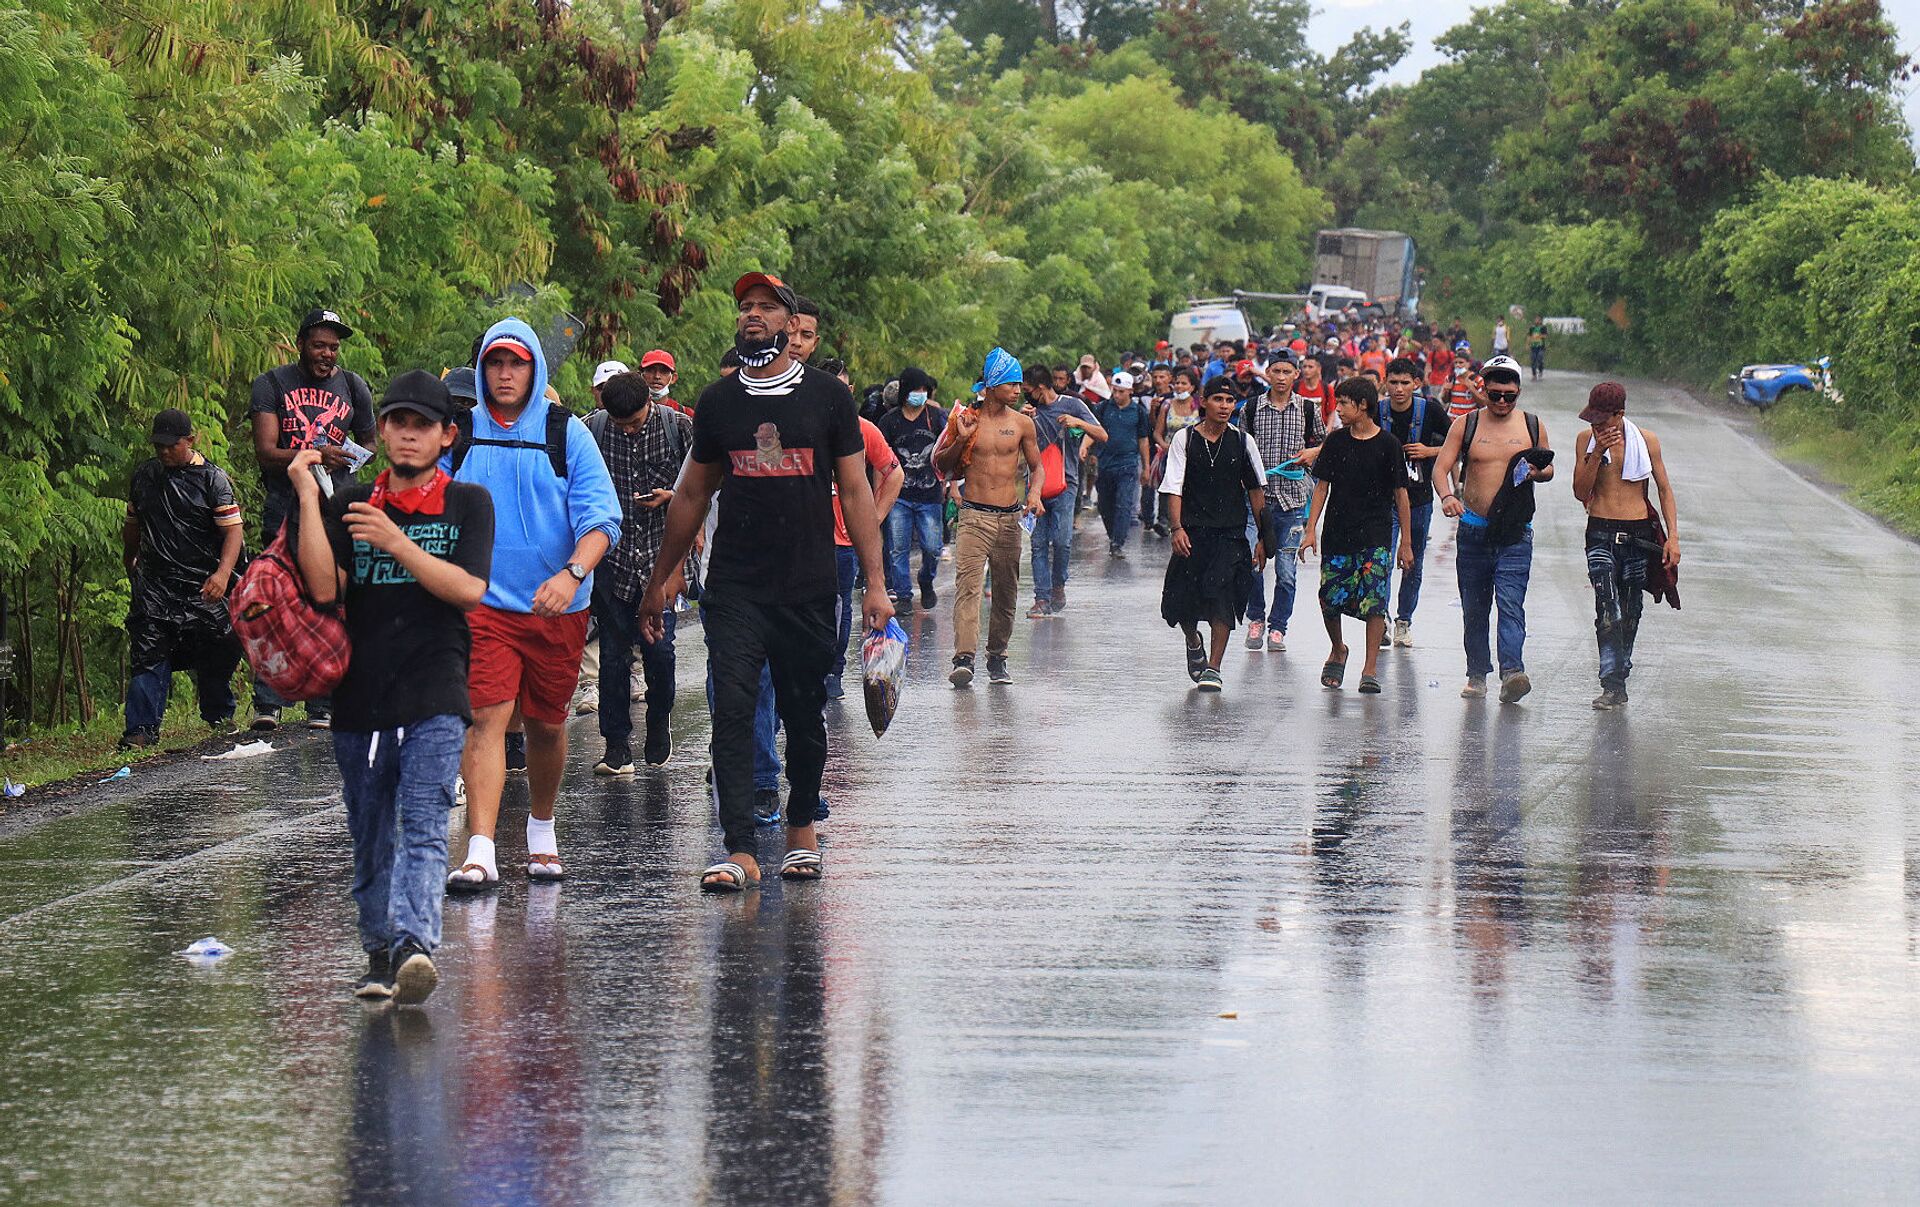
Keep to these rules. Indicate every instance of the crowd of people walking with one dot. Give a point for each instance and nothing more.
(506, 531)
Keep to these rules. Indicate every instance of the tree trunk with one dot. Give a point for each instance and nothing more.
(1050, 20)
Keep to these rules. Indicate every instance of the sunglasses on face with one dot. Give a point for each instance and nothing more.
(1502, 395)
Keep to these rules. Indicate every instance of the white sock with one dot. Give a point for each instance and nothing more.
(480, 851)
(540, 837)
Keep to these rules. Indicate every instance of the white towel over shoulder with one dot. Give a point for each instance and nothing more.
(1638, 465)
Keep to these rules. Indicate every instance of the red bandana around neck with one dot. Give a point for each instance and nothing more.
(429, 498)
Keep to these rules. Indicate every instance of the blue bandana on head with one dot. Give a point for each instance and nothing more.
(1001, 368)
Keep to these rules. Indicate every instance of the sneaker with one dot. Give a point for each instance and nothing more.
(265, 720)
(997, 671)
(1196, 661)
(1210, 680)
(1386, 637)
(319, 720)
(617, 761)
(1476, 688)
(1276, 641)
(962, 673)
(1514, 686)
(414, 975)
(836, 688)
(1608, 699)
(459, 791)
(927, 596)
(516, 754)
(586, 701)
(377, 984)
(1403, 634)
(1256, 634)
(139, 739)
(1038, 611)
(1116, 551)
(820, 810)
(1158, 529)
(766, 806)
(1059, 601)
(659, 749)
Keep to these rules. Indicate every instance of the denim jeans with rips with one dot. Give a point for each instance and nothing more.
(1288, 525)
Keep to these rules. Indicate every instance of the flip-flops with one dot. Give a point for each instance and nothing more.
(735, 879)
(1369, 685)
(545, 869)
(1333, 674)
(802, 865)
(471, 878)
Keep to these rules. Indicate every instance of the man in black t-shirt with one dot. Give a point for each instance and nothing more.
(182, 539)
(773, 440)
(918, 517)
(1419, 424)
(1363, 470)
(311, 403)
(409, 556)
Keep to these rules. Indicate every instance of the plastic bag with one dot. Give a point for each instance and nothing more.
(883, 668)
(206, 951)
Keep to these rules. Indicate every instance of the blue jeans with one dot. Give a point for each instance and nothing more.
(1052, 545)
(908, 525)
(1493, 576)
(1288, 525)
(766, 731)
(849, 565)
(1421, 519)
(399, 787)
(1119, 486)
(619, 637)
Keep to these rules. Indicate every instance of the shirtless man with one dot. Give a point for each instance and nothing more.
(1494, 451)
(1616, 460)
(986, 445)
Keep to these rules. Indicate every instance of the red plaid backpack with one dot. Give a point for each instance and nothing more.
(297, 647)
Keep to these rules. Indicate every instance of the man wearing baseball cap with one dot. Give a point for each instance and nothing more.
(310, 403)
(409, 555)
(774, 441)
(1494, 549)
(1128, 424)
(181, 541)
(602, 372)
(658, 370)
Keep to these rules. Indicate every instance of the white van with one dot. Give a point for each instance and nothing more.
(1325, 299)
(1207, 321)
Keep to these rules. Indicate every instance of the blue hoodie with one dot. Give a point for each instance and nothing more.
(538, 516)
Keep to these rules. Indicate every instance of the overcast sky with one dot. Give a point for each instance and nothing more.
(1336, 20)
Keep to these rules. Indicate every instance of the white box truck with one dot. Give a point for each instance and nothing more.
(1379, 264)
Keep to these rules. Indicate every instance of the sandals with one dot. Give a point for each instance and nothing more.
(802, 865)
(734, 878)
(545, 869)
(1333, 674)
(459, 881)
(1196, 661)
(1369, 685)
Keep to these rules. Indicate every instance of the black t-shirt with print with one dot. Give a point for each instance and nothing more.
(1363, 474)
(776, 442)
(311, 413)
(912, 441)
(1432, 433)
(410, 650)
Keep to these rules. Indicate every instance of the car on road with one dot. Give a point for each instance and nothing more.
(1764, 385)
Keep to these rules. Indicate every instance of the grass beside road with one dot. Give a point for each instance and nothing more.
(1879, 469)
(77, 751)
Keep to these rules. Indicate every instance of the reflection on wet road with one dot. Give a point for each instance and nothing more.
(1093, 937)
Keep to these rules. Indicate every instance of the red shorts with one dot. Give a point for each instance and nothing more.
(532, 659)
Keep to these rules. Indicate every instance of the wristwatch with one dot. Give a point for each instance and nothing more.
(578, 571)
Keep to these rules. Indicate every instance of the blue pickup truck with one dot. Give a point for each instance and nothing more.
(1763, 385)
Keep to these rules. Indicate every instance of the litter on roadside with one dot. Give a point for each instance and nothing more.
(12, 789)
(245, 751)
(206, 951)
(123, 773)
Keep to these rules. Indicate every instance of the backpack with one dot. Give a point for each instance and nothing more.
(555, 445)
(1419, 423)
(1511, 512)
(298, 648)
(597, 425)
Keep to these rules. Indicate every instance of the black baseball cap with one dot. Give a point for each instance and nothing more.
(170, 427)
(459, 383)
(420, 391)
(325, 318)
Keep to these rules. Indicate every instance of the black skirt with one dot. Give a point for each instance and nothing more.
(1212, 584)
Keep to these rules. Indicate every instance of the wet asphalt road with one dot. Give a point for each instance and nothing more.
(1470, 953)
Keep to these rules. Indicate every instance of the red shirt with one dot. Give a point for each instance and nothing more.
(1439, 367)
(880, 462)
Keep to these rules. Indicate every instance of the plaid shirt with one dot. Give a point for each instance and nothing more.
(640, 463)
(1280, 435)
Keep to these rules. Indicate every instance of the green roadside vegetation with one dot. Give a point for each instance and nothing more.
(1705, 182)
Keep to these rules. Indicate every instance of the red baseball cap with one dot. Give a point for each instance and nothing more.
(780, 288)
(659, 356)
(510, 343)
(1243, 366)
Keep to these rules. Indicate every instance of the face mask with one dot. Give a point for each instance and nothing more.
(1183, 395)
(759, 353)
(916, 398)
(658, 391)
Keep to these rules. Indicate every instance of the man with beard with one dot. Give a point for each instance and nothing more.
(311, 403)
(773, 441)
